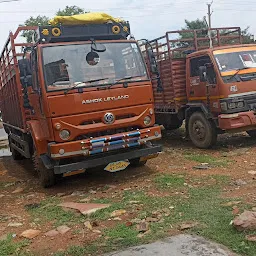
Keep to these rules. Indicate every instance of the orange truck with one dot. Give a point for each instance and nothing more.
(208, 80)
(80, 96)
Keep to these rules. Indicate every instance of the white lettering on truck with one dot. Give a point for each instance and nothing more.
(107, 99)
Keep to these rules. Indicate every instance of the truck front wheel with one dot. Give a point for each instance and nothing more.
(46, 176)
(136, 162)
(202, 132)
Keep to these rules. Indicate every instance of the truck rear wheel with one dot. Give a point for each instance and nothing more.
(202, 132)
(46, 176)
(252, 133)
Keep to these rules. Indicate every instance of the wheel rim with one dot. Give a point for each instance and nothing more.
(199, 131)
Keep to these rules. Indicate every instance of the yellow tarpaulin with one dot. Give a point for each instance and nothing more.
(84, 19)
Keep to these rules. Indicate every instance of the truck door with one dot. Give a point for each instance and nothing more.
(35, 92)
(196, 90)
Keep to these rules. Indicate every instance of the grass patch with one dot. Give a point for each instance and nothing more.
(8, 247)
(49, 211)
(121, 236)
(213, 161)
(202, 205)
(169, 181)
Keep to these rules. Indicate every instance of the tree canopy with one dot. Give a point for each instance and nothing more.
(44, 20)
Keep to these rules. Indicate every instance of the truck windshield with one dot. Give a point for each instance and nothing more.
(232, 61)
(66, 66)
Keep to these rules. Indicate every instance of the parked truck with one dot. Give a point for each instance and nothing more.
(80, 96)
(208, 80)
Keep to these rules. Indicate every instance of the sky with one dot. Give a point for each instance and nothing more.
(148, 18)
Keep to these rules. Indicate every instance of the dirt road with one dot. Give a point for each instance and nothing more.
(192, 184)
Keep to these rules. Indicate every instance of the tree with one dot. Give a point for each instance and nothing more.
(44, 20)
(70, 10)
(34, 21)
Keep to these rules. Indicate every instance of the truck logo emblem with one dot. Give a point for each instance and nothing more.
(233, 88)
(109, 118)
(107, 99)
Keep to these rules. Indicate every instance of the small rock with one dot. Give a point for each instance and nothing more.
(254, 209)
(92, 191)
(63, 229)
(252, 172)
(61, 194)
(15, 224)
(128, 224)
(240, 182)
(30, 233)
(231, 203)
(84, 208)
(134, 202)
(117, 213)
(88, 225)
(52, 233)
(251, 238)
(117, 219)
(188, 225)
(18, 190)
(150, 219)
(235, 211)
(96, 231)
(143, 227)
(77, 193)
(1, 195)
(245, 221)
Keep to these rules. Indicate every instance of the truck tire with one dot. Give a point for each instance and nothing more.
(15, 154)
(137, 163)
(202, 132)
(46, 176)
(252, 133)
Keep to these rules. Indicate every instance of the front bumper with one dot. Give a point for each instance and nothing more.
(93, 146)
(71, 156)
(107, 158)
(238, 121)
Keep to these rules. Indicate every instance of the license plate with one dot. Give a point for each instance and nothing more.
(117, 166)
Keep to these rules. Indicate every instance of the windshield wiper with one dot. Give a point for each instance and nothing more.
(121, 79)
(237, 71)
(89, 81)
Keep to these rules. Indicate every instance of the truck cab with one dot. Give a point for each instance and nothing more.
(86, 101)
(223, 77)
(208, 79)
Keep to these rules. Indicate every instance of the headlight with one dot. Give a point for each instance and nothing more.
(64, 134)
(147, 120)
(240, 104)
(231, 105)
(224, 106)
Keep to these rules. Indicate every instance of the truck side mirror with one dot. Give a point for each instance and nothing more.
(25, 72)
(202, 73)
(152, 60)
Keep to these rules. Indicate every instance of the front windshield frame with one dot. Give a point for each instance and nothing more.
(137, 54)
